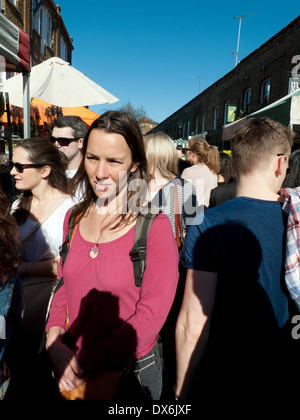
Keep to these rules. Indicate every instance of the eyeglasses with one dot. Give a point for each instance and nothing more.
(62, 141)
(21, 166)
(283, 154)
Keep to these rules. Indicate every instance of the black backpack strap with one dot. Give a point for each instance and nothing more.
(138, 251)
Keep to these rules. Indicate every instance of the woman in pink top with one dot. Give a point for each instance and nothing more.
(205, 167)
(113, 323)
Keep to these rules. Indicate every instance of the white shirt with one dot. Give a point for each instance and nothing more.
(44, 243)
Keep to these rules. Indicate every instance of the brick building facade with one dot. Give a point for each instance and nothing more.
(42, 21)
(263, 77)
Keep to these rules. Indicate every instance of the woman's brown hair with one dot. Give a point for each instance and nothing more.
(125, 124)
(209, 155)
(9, 250)
(42, 151)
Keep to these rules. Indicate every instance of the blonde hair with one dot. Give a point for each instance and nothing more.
(161, 155)
(209, 155)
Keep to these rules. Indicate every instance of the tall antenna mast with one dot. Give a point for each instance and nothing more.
(199, 76)
(238, 42)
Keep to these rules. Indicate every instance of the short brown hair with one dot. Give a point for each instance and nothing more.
(255, 142)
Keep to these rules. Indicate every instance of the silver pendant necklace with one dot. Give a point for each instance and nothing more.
(94, 250)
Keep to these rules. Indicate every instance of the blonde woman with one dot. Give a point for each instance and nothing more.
(176, 198)
(165, 187)
(205, 162)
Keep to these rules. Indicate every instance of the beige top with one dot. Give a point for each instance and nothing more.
(203, 179)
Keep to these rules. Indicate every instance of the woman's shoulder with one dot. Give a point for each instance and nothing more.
(161, 225)
(66, 202)
(187, 171)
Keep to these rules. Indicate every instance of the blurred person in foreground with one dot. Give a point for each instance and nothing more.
(234, 331)
(11, 294)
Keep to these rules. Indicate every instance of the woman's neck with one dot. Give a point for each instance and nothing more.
(44, 193)
(157, 181)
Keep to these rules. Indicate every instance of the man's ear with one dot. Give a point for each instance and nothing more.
(280, 165)
(80, 143)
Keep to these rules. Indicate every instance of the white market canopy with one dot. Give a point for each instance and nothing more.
(57, 82)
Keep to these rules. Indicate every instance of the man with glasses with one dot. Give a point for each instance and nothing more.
(68, 135)
(234, 332)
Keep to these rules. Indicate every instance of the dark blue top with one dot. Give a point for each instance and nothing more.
(243, 241)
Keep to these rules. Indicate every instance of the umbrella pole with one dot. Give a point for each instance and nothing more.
(26, 103)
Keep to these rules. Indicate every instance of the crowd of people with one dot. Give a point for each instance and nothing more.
(211, 313)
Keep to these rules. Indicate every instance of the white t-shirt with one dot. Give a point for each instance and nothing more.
(203, 179)
(44, 243)
(70, 173)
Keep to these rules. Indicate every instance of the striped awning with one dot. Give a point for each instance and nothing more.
(14, 47)
(181, 142)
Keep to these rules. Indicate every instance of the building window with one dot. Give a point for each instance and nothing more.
(265, 92)
(183, 131)
(203, 122)
(197, 124)
(48, 30)
(63, 50)
(216, 116)
(42, 23)
(247, 101)
(188, 128)
(227, 104)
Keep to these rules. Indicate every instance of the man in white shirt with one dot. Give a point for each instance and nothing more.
(68, 135)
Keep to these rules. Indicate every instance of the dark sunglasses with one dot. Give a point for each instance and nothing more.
(62, 141)
(21, 166)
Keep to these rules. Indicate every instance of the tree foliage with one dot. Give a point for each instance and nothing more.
(137, 112)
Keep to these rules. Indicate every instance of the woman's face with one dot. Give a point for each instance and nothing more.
(29, 178)
(108, 163)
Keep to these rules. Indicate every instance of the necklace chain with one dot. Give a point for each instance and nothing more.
(94, 250)
(93, 224)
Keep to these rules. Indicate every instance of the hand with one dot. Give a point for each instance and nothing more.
(68, 372)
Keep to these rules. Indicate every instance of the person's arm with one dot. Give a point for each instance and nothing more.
(40, 268)
(192, 328)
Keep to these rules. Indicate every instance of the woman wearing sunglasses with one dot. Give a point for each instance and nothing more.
(38, 169)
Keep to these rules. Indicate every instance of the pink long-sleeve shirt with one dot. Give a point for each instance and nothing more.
(112, 320)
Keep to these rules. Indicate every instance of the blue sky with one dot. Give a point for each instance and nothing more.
(149, 52)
